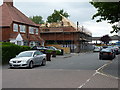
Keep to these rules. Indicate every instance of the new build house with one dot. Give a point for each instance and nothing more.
(66, 34)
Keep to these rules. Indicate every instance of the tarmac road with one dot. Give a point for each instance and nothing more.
(78, 71)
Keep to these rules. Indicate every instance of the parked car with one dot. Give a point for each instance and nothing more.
(42, 49)
(97, 49)
(104, 47)
(28, 59)
(107, 53)
(52, 48)
(117, 50)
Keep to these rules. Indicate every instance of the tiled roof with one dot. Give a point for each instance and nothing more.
(10, 14)
(13, 35)
(24, 37)
(58, 29)
(31, 37)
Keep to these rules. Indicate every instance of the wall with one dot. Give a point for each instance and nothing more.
(5, 34)
(65, 49)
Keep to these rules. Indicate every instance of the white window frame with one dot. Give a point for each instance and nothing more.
(31, 30)
(15, 27)
(36, 31)
(22, 28)
(19, 43)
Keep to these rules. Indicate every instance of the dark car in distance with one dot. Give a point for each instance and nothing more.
(107, 53)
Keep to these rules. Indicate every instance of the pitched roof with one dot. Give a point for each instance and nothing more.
(10, 14)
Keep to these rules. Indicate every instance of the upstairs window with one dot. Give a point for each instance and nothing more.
(15, 27)
(22, 28)
(36, 30)
(31, 30)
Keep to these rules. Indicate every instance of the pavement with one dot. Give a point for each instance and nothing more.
(112, 69)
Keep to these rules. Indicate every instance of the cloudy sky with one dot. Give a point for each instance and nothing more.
(78, 10)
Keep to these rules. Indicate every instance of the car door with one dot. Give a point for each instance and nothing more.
(36, 61)
(39, 58)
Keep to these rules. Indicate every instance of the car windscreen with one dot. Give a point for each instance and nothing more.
(25, 54)
(106, 50)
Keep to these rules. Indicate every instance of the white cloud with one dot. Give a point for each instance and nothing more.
(51, 0)
(81, 11)
(98, 29)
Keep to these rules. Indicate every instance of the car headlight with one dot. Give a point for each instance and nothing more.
(24, 61)
(10, 61)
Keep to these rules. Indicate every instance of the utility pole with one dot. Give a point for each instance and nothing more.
(119, 21)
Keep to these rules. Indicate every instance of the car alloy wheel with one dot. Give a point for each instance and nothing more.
(43, 62)
(31, 65)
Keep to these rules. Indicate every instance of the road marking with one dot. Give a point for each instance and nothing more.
(97, 72)
(108, 75)
(99, 69)
(87, 80)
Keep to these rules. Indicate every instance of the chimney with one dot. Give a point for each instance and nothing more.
(77, 25)
(9, 2)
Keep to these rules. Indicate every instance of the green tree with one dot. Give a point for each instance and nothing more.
(56, 16)
(37, 19)
(106, 39)
(109, 11)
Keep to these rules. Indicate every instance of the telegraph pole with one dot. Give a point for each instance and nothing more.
(118, 21)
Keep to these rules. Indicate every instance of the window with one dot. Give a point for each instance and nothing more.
(36, 30)
(19, 43)
(37, 53)
(22, 28)
(46, 30)
(15, 27)
(31, 30)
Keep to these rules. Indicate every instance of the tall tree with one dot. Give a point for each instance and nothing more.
(106, 39)
(56, 16)
(37, 19)
(109, 11)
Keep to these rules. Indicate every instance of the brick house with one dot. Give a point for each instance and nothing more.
(16, 27)
(66, 34)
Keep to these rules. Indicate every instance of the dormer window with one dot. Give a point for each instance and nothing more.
(31, 30)
(15, 27)
(22, 28)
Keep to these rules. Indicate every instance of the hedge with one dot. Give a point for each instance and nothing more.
(57, 52)
(10, 50)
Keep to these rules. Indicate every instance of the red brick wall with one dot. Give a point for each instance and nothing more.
(59, 36)
(5, 34)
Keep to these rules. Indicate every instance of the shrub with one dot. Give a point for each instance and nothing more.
(10, 50)
(57, 52)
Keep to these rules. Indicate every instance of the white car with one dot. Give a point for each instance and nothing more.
(28, 59)
(97, 49)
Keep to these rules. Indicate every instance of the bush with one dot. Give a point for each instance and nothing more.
(57, 52)
(10, 50)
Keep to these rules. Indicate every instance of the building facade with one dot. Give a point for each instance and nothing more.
(66, 34)
(17, 28)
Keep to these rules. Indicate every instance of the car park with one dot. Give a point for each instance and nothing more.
(28, 59)
(107, 53)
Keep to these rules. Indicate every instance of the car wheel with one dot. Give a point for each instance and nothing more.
(31, 65)
(43, 62)
(11, 67)
(100, 57)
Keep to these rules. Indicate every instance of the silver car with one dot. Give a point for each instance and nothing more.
(28, 59)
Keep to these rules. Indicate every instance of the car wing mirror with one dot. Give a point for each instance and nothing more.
(35, 55)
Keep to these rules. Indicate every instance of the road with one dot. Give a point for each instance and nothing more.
(78, 71)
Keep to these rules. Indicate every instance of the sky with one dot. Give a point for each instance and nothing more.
(79, 10)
